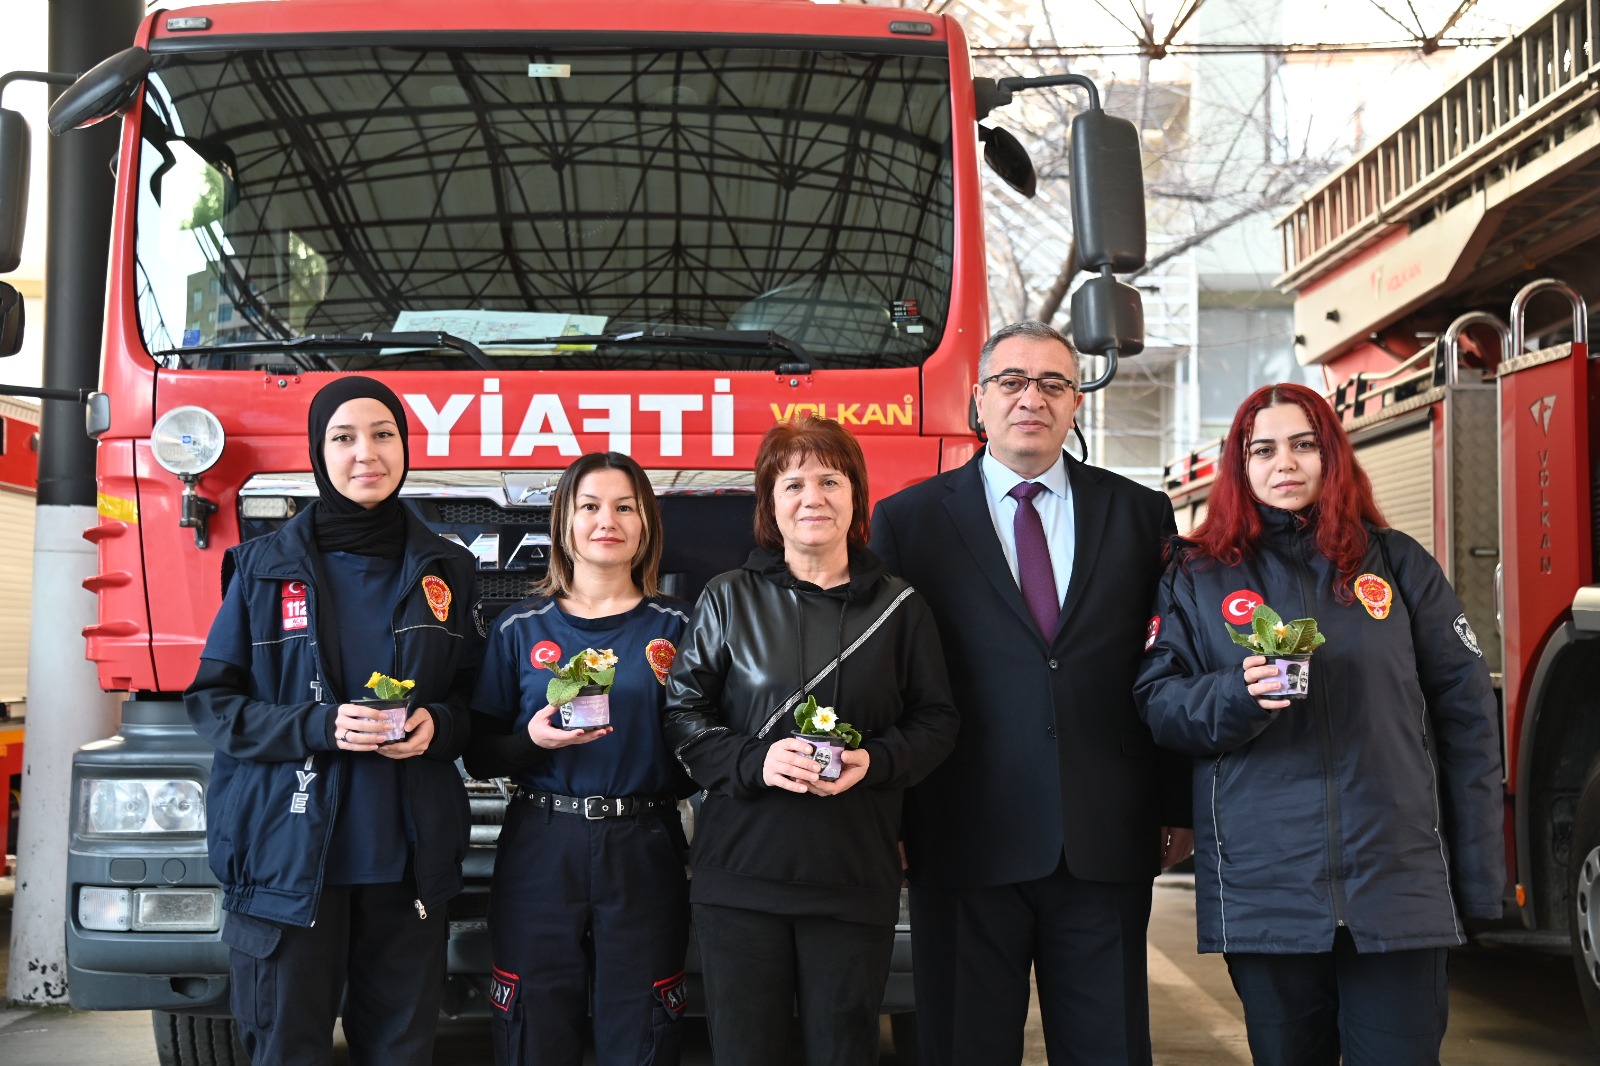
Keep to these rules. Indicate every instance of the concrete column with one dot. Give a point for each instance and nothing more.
(65, 708)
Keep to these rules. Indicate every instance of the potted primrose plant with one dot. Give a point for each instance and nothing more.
(392, 697)
(581, 690)
(1287, 646)
(828, 736)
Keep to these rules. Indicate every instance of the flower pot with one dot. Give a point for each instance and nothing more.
(1294, 677)
(589, 709)
(826, 752)
(395, 713)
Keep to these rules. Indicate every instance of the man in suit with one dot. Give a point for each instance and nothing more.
(1034, 845)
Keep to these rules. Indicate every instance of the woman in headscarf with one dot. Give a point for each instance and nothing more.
(337, 847)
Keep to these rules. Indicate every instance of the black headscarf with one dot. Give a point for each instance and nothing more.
(342, 524)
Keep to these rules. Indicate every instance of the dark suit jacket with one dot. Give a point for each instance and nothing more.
(1052, 758)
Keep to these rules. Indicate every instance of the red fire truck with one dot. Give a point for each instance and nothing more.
(1424, 275)
(552, 228)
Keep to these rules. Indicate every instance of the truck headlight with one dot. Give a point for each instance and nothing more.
(130, 805)
(187, 440)
(150, 910)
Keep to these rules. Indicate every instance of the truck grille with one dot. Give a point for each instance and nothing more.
(485, 513)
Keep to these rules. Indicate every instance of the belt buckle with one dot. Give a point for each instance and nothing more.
(590, 803)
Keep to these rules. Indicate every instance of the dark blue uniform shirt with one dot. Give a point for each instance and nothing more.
(634, 759)
(369, 836)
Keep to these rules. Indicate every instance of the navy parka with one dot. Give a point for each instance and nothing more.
(266, 699)
(1374, 803)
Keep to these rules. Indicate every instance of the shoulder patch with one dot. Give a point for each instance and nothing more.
(659, 653)
(438, 594)
(1152, 631)
(544, 653)
(1463, 630)
(1375, 595)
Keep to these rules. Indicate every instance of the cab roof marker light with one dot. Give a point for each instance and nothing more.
(187, 24)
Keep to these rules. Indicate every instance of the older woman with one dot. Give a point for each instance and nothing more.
(794, 895)
(1340, 840)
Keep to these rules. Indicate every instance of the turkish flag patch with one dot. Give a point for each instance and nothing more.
(294, 605)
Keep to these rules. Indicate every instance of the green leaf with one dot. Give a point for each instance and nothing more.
(1306, 636)
(804, 714)
(1241, 639)
(1289, 643)
(561, 691)
(1266, 632)
(602, 678)
(849, 734)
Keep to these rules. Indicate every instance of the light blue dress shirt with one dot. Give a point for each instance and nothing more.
(1055, 512)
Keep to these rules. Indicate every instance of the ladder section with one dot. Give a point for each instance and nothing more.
(1535, 85)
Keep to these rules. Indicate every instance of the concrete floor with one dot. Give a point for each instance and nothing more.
(1508, 1008)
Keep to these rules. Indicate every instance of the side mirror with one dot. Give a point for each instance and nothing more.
(1107, 192)
(1108, 320)
(1106, 314)
(1008, 158)
(14, 166)
(104, 91)
(11, 315)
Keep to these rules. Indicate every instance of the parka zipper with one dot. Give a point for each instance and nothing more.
(1216, 829)
(1325, 739)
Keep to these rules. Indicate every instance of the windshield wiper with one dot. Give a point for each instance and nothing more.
(749, 340)
(343, 340)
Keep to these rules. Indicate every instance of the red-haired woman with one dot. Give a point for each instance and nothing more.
(1341, 838)
(796, 882)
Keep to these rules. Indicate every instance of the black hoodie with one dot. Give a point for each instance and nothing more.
(759, 641)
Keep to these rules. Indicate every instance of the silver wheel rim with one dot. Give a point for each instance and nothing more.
(1588, 903)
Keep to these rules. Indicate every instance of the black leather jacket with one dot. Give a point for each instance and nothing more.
(759, 641)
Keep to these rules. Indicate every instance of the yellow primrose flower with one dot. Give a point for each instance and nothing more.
(1280, 631)
(826, 718)
(408, 685)
(594, 660)
(373, 680)
(607, 659)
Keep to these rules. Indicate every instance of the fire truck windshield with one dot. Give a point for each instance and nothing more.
(505, 195)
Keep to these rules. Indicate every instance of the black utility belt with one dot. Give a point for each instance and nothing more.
(595, 808)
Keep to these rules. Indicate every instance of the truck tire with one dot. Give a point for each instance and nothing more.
(194, 1040)
(1585, 882)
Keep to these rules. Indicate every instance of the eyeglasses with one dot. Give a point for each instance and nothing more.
(1051, 388)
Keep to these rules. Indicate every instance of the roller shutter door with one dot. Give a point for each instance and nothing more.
(1401, 469)
(16, 579)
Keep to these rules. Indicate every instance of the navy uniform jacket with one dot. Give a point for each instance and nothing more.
(1374, 802)
(264, 700)
(1052, 762)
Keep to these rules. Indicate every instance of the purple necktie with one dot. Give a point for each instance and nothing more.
(1034, 573)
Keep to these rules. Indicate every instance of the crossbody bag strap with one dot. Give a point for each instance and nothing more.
(799, 694)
